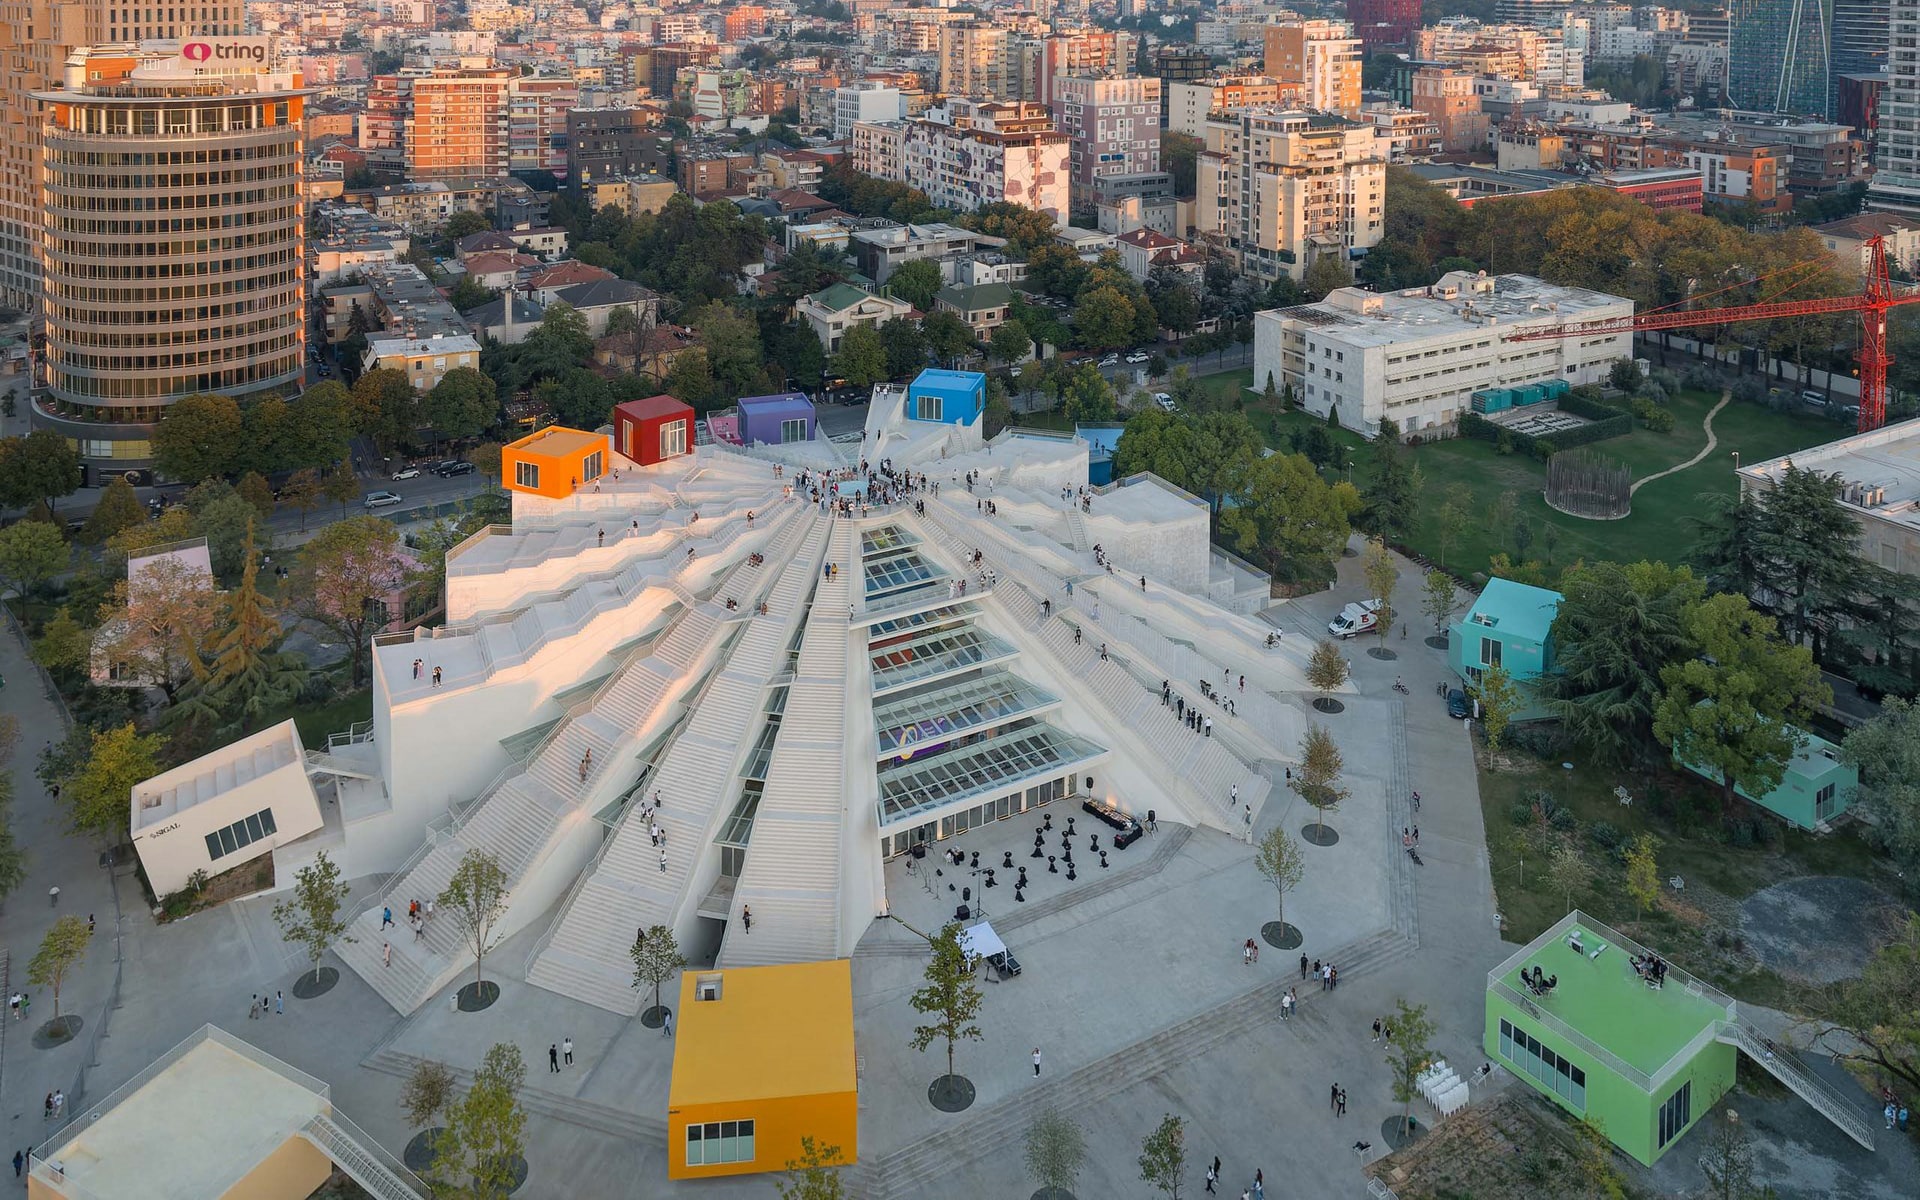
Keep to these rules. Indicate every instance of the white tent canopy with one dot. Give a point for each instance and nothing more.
(980, 941)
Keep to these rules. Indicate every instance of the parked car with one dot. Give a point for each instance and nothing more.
(325, 371)
(381, 500)
(1817, 399)
(1456, 704)
(1111, 360)
(1138, 357)
(446, 465)
(1165, 401)
(449, 470)
(406, 473)
(1361, 617)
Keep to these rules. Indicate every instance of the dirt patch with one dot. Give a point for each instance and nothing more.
(1506, 1149)
(1820, 928)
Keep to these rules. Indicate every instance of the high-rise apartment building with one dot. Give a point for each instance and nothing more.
(537, 109)
(1545, 13)
(865, 101)
(36, 37)
(991, 151)
(1321, 59)
(1114, 127)
(1281, 189)
(171, 239)
(1384, 24)
(1448, 98)
(1193, 103)
(1896, 180)
(1780, 56)
(1860, 41)
(1179, 64)
(1096, 52)
(980, 60)
(446, 122)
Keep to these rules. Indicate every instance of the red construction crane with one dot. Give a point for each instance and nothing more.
(1872, 305)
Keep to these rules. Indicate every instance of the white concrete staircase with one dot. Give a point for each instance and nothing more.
(529, 809)
(584, 954)
(1196, 768)
(792, 875)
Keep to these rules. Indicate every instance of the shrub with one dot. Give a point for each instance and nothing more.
(1564, 820)
(1607, 836)
(1521, 814)
(1542, 739)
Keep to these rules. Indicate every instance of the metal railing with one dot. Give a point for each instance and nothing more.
(1786, 1066)
(366, 1160)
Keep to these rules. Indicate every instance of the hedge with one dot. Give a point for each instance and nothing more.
(1611, 424)
(1592, 410)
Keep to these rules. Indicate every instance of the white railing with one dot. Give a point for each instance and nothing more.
(369, 1163)
(1787, 1067)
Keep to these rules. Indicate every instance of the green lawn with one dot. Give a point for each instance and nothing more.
(316, 721)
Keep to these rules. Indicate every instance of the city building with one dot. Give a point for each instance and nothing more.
(832, 311)
(425, 361)
(169, 270)
(441, 122)
(1319, 58)
(980, 60)
(1095, 53)
(1896, 178)
(1144, 251)
(653, 430)
(984, 307)
(1384, 24)
(865, 101)
(762, 1058)
(1815, 786)
(1881, 489)
(1860, 42)
(1419, 357)
(1113, 127)
(1509, 52)
(1192, 103)
(1127, 202)
(1447, 97)
(880, 247)
(554, 462)
(1847, 238)
(1511, 627)
(1279, 189)
(989, 152)
(777, 420)
(260, 1128)
(224, 810)
(36, 39)
(613, 143)
(1176, 65)
(1780, 56)
(537, 109)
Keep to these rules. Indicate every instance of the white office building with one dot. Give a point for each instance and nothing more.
(865, 101)
(1418, 356)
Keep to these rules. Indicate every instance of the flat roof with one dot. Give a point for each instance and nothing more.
(1355, 317)
(195, 1128)
(1881, 470)
(774, 1032)
(557, 441)
(1601, 1000)
(784, 402)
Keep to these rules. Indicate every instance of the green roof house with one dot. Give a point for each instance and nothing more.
(1511, 624)
(1617, 1036)
(1815, 786)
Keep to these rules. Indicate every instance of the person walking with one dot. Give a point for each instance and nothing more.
(1259, 1186)
(1209, 726)
(1303, 966)
(666, 1023)
(279, 1004)
(566, 1050)
(746, 918)
(253, 1008)
(663, 862)
(1342, 1110)
(1036, 1062)
(1286, 1005)
(1246, 953)
(1376, 1029)
(1212, 1176)
(553, 1059)
(386, 916)
(386, 954)
(19, 1161)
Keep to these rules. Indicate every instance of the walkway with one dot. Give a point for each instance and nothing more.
(1696, 460)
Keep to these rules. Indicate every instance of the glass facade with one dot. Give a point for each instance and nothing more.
(719, 1142)
(1525, 1054)
(239, 835)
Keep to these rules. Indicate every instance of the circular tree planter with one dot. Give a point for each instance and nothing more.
(519, 1176)
(1051, 1193)
(951, 1093)
(1328, 705)
(655, 1016)
(1396, 1136)
(419, 1154)
(1319, 834)
(477, 996)
(57, 1032)
(1437, 643)
(313, 984)
(1349, 552)
(1282, 936)
(1382, 653)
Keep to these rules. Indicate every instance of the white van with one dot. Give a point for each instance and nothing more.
(1361, 617)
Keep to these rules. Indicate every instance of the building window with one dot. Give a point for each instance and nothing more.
(240, 834)
(1823, 804)
(793, 430)
(719, 1142)
(1553, 1073)
(594, 466)
(1490, 652)
(526, 474)
(927, 408)
(673, 438)
(1676, 1113)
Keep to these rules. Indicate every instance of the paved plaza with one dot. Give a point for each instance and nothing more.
(1133, 987)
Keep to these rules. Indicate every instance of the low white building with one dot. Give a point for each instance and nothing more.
(1418, 356)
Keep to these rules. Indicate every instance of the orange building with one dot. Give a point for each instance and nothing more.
(1446, 96)
(762, 1057)
(554, 462)
(447, 122)
(1320, 59)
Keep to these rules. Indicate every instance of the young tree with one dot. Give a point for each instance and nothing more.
(1594, 1158)
(1499, 698)
(255, 490)
(486, 459)
(476, 897)
(64, 644)
(1877, 1010)
(1643, 872)
(118, 509)
(346, 575)
(97, 793)
(63, 946)
(1281, 864)
(947, 335)
(1451, 519)
(478, 1155)
(1163, 1157)
(312, 916)
(1010, 342)
(31, 552)
(1441, 600)
(246, 678)
(1408, 1054)
(1382, 577)
(303, 493)
(815, 1175)
(1569, 871)
(1728, 1162)
(656, 958)
(428, 1093)
(861, 359)
(906, 349)
(1056, 1149)
(1326, 667)
(950, 998)
(13, 859)
(1317, 778)
(1730, 709)
(228, 523)
(340, 485)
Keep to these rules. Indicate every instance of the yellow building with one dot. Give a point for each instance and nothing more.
(554, 462)
(1320, 60)
(763, 1056)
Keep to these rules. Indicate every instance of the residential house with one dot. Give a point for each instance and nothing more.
(983, 306)
(833, 311)
(1510, 626)
(597, 300)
